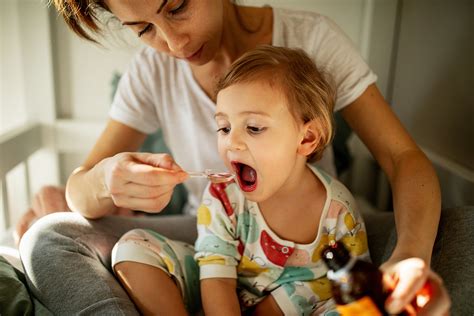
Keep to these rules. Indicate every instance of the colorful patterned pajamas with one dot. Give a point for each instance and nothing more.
(175, 258)
(235, 242)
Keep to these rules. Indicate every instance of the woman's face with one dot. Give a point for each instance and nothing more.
(184, 29)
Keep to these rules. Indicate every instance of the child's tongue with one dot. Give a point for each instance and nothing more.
(248, 174)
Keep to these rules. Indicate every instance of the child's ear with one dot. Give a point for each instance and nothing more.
(311, 138)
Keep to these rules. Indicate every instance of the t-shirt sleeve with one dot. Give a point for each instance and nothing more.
(133, 103)
(336, 55)
(217, 245)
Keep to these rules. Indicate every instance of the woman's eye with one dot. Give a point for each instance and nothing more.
(255, 130)
(224, 130)
(177, 9)
(145, 29)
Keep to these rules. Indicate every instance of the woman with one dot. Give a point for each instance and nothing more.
(170, 85)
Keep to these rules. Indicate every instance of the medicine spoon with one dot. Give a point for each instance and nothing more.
(213, 175)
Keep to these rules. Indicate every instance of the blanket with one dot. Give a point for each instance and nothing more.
(15, 299)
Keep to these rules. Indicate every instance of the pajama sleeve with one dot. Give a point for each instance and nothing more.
(217, 245)
(350, 229)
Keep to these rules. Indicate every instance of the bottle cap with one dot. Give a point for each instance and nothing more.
(335, 255)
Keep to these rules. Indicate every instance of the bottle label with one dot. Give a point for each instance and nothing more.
(362, 307)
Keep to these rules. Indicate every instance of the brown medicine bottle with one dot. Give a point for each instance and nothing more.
(357, 285)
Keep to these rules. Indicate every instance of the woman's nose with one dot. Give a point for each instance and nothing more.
(176, 41)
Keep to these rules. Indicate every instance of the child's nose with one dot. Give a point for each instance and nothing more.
(235, 142)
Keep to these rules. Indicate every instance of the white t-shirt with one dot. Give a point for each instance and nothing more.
(158, 91)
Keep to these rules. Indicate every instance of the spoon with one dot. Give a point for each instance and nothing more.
(213, 175)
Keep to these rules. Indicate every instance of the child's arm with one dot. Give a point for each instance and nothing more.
(217, 250)
(219, 296)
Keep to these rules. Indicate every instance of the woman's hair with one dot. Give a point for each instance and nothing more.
(82, 15)
(309, 93)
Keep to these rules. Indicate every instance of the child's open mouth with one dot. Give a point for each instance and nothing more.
(246, 176)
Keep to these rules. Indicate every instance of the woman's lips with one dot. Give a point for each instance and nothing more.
(196, 55)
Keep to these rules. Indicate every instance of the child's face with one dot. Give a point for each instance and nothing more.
(258, 137)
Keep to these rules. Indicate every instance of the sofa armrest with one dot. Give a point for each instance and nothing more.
(453, 252)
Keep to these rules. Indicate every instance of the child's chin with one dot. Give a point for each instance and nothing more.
(255, 196)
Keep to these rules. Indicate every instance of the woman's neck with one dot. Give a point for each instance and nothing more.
(244, 28)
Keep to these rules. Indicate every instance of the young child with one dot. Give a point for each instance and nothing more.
(260, 235)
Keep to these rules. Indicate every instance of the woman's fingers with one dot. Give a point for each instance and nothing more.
(143, 191)
(410, 275)
(435, 300)
(164, 161)
(416, 283)
(153, 205)
(153, 176)
(50, 199)
(142, 181)
(145, 169)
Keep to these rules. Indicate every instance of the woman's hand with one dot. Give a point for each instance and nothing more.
(412, 280)
(141, 181)
(49, 199)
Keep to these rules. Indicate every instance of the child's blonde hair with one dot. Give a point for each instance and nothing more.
(309, 94)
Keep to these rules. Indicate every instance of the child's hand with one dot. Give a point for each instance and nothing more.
(413, 281)
(141, 181)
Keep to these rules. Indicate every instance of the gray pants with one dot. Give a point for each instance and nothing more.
(67, 260)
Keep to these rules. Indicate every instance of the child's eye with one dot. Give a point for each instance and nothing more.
(144, 30)
(255, 130)
(178, 8)
(224, 130)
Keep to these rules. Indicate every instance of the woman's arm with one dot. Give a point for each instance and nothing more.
(219, 297)
(114, 175)
(416, 200)
(415, 186)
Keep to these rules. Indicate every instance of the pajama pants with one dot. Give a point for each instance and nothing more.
(175, 258)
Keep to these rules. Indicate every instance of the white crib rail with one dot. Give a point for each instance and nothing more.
(16, 146)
